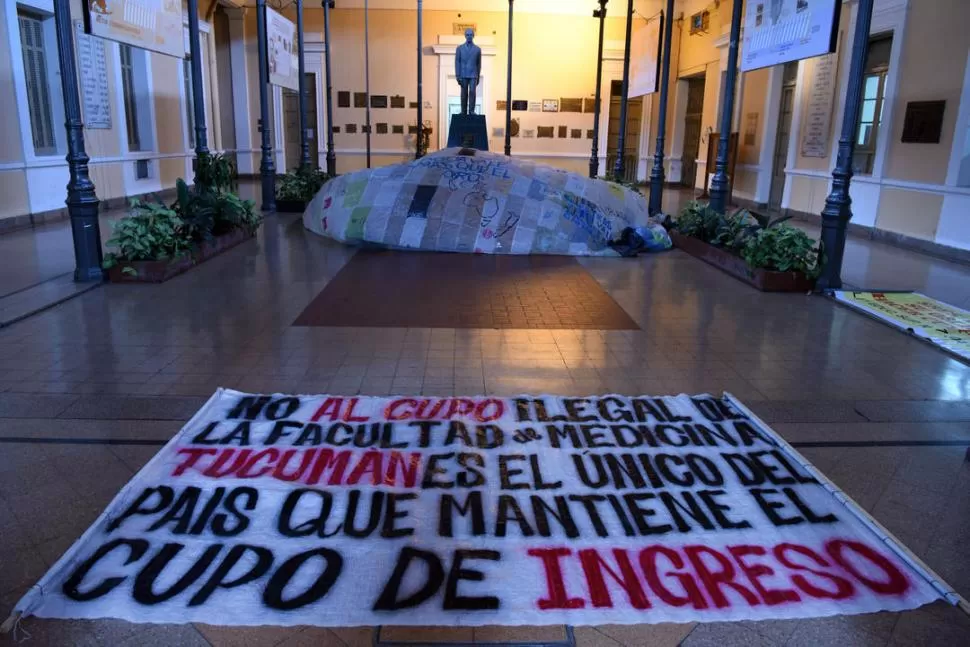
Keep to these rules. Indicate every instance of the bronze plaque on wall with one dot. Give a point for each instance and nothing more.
(576, 133)
(413, 130)
(501, 104)
(360, 99)
(343, 99)
(336, 130)
(514, 128)
(414, 105)
(397, 101)
(589, 104)
(351, 129)
(570, 105)
(378, 101)
(589, 134)
(365, 129)
(397, 129)
(381, 129)
(520, 105)
(546, 132)
(563, 130)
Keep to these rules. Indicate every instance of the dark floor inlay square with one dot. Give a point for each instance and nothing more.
(387, 289)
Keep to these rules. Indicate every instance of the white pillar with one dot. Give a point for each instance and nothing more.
(239, 62)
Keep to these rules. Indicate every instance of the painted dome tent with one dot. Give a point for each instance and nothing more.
(463, 200)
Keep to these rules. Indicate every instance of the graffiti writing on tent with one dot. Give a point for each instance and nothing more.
(587, 216)
(463, 172)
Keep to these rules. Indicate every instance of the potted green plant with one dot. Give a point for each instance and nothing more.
(156, 242)
(768, 254)
(296, 188)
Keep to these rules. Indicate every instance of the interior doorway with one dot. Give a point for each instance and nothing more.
(631, 144)
(291, 123)
(783, 139)
(692, 130)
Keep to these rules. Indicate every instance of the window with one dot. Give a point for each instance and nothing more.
(189, 99)
(137, 97)
(38, 84)
(873, 95)
(131, 103)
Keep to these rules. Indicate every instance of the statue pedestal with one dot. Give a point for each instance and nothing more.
(468, 131)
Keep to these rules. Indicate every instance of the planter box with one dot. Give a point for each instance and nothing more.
(290, 206)
(764, 280)
(159, 271)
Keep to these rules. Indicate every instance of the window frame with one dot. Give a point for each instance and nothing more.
(37, 11)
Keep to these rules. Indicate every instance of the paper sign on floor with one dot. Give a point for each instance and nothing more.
(330, 511)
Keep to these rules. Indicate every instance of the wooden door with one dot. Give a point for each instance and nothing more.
(783, 138)
(692, 131)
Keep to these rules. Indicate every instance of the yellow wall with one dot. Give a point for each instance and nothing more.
(914, 213)
(11, 149)
(545, 67)
(931, 69)
(753, 104)
(13, 188)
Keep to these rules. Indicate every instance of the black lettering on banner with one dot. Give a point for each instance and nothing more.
(141, 506)
(202, 438)
(281, 429)
(641, 514)
(455, 602)
(611, 409)
(472, 506)
(263, 561)
(589, 502)
(716, 410)
(424, 431)
(472, 476)
(539, 482)
(542, 415)
(353, 503)
(388, 599)
(719, 510)
(239, 435)
(509, 510)
(432, 468)
(392, 514)
(489, 436)
(523, 411)
(576, 410)
(72, 585)
(542, 511)
(556, 433)
(506, 472)
(250, 407)
(284, 524)
(273, 593)
(312, 435)
(143, 589)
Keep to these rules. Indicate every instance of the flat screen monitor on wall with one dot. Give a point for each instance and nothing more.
(780, 31)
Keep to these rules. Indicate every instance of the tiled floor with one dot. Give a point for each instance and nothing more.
(883, 415)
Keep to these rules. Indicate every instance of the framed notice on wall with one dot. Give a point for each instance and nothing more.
(150, 24)
(284, 67)
(818, 110)
(645, 57)
(779, 31)
(93, 73)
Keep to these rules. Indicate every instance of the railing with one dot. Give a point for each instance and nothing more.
(630, 163)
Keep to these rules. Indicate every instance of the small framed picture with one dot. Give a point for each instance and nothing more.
(550, 105)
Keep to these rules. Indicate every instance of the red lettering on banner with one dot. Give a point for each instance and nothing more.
(599, 593)
(700, 568)
(897, 583)
(312, 466)
(334, 408)
(192, 456)
(485, 410)
(755, 572)
(554, 580)
(648, 564)
(714, 580)
(843, 588)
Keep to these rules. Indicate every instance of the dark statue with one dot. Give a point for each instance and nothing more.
(468, 69)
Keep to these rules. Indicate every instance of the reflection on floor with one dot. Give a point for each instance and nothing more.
(883, 415)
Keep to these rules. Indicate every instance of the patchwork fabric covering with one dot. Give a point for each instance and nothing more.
(462, 200)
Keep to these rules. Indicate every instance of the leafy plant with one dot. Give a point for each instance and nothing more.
(216, 171)
(698, 220)
(782, 248)
(300, 185)
(151, 232)
(207, 213)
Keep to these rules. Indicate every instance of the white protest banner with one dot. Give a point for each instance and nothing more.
(150, 24)
(779, 31)
(645, 57)
(345, 511)
(281, 44)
